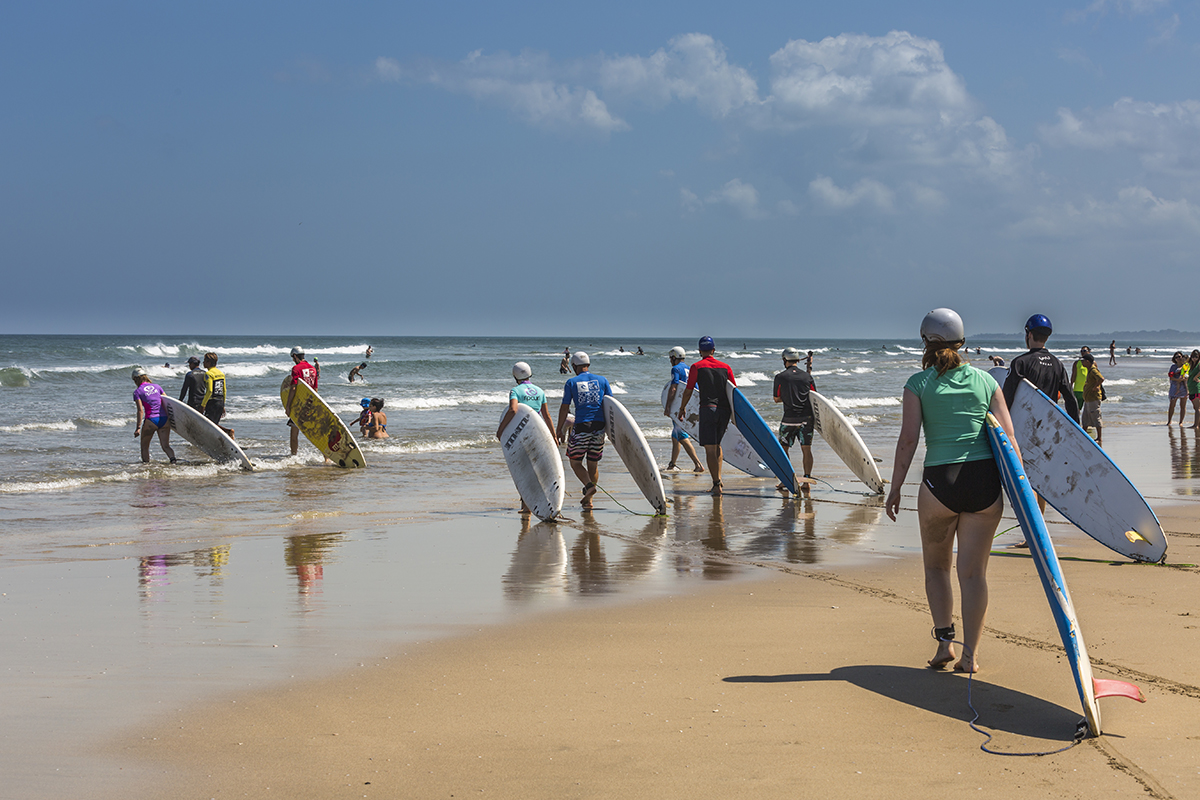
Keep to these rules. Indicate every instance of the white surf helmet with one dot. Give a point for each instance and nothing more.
(580, 359)
(298, 351)
(521, 371)
(677, 352)
(138, 372)
(943, 325)
(791, 354)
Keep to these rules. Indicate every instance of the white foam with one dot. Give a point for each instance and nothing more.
(743, 355)
(618, 387)
(62, 425)
(1119, 382)
(863, 402)
(445, 401)
(860, 419)
(752, 378)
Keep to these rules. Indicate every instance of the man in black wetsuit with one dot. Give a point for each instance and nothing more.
(1044, 371)
(193, 384)
(791, 388)
(1041, 368)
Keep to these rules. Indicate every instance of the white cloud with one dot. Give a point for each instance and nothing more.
(1165, 137)
(1135, 210)
(741, 197)
(866, 192)
(852, 79)
(1078, 58)
(525, 84)
(689, 200)
(388, 69)
(693, 67)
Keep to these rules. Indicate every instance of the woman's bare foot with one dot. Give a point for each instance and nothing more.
(945, 654)
(715, 491)
(967, 663)
(699, 470)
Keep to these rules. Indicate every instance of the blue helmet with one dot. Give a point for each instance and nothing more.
(366, 401)
(707, 343)
(1038, 321)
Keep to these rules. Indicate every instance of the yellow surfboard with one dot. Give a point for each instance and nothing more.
(321, 426)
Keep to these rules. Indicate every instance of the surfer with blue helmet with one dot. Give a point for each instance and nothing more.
(1043, 370)
(709, 377)
(680, 440)
(960, 495)
(586, 440)
(151, 415)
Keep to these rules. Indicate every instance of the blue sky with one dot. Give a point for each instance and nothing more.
(761, 168)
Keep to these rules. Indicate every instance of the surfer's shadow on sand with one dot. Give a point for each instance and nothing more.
(1001, 709)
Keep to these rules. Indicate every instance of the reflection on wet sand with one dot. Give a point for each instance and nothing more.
(307, 554)
(700, 519)
(539, 562)
(154, 577)
(1183, 458)
(791, 534)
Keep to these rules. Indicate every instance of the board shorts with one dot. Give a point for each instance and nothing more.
(679, 434)
(160, 422)
(585, 444)
(1090, 418)
(714, 420)
(803, 431)
(966, 487)
(214, 410)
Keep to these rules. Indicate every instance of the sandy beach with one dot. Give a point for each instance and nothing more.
(801, 682)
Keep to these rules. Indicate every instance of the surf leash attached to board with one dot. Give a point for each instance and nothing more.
(627, 508)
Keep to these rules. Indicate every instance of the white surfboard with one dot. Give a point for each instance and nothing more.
(200, 431)
(844, 441)
(735, 450)
(534, 462)
(631, 446)
(1073, 474)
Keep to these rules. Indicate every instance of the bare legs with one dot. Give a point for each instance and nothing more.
(712, 454)
(686, 446)
(588, 476)
(164, 440)
(940, 527)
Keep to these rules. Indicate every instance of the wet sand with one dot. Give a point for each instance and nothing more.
(332, 642)
(805, 683)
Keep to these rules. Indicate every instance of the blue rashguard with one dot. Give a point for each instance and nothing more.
(587, 391)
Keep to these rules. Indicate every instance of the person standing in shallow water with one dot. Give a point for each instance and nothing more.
(680, 440)
(586, 440)
(1178, 388)
(960, 497)
(151, 415)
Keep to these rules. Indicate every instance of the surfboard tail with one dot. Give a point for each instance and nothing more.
(1111, 688)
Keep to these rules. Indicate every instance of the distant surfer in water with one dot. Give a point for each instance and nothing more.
(369, 351)
(151, 415)
(791, 389)
(354, 373)
(586, 441)
(301, 371)
(709, 376)
(679, 437)
(960, 496)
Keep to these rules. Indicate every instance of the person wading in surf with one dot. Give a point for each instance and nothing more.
(586, 441)
(710, 376)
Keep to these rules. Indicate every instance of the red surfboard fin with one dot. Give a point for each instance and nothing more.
(1107, 688)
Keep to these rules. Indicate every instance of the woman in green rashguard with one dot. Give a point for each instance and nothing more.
(960, 497)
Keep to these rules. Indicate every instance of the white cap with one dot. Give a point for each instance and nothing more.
(677, 352)
(298, 351)
(138, 372)
(521, 371)
(580, 359)
(944, 325)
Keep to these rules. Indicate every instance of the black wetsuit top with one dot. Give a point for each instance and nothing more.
(792, 387)
(1046, 373)
(193, 387)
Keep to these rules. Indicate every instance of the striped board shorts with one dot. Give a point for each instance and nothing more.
(581, 445)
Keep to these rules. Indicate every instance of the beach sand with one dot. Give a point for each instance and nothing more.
(806, 683)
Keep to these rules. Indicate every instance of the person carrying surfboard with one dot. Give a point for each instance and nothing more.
(791, 389)
(710, 377)
(680, 440)
(152, 415)
(960, 494)
(525, 393)
(301, 371)
(213, 404)
(586, 441)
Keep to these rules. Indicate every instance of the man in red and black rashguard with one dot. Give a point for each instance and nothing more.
(710, 377)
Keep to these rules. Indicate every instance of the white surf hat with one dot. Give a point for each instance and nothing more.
(580, 359)
(943, 325)
(677, 352)
(791, 354)
(521, 371)
(298, 351)
(138, 372)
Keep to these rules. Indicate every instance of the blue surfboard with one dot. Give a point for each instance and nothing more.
(1024, 503)
(759, 435)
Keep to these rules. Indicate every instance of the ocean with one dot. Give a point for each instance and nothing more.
(127, 589)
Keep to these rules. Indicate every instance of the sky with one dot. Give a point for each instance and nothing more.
(627, 168)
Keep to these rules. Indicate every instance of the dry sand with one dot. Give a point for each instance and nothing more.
(803, 684)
